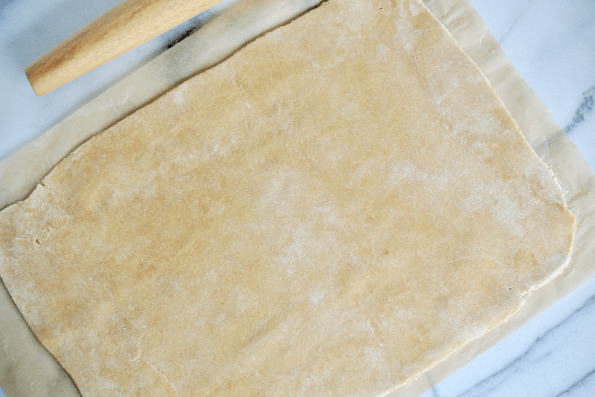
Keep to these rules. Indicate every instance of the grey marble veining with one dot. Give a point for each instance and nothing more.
(583, 111)
(515, 20)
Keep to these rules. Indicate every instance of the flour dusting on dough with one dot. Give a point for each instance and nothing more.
(294, 221)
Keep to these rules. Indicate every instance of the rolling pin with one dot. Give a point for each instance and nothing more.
(124, 27)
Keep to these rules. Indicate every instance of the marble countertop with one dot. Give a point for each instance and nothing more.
(550, 42)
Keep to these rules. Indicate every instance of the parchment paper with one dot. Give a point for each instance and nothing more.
(27, 369)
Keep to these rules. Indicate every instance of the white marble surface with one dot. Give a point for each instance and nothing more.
(550, 42)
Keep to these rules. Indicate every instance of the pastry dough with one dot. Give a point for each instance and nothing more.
(329, 212)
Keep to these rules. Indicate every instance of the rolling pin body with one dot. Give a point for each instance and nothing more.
(124, 27)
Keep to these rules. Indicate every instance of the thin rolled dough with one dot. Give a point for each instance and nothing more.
(329, 212)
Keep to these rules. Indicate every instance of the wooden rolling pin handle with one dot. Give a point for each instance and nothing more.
(124, 27)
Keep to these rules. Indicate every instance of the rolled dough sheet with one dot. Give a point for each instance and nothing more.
(331, 211)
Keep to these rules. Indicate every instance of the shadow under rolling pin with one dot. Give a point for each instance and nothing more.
(124, 27)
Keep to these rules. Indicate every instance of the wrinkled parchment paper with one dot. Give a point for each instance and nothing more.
(27, 369)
